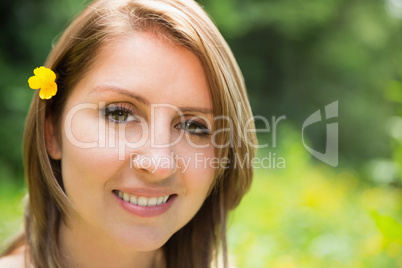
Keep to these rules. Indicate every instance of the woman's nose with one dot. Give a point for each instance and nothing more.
(158, 163)
(156, 157)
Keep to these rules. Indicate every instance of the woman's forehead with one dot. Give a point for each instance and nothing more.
(146, 65)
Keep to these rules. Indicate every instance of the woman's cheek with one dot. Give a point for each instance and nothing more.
(196, 164)
(83, 148)
(82, 128)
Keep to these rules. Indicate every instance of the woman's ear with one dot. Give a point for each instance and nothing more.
(52, 143)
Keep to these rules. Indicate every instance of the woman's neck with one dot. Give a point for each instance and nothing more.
(81, 248)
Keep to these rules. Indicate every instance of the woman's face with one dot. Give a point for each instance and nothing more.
(136, 143)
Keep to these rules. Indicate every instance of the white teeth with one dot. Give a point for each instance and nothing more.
(133, 200)
(141, 200)
(152, 201)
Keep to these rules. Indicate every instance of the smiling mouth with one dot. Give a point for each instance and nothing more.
(142, 201)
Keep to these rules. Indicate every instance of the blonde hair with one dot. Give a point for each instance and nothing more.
(184, 23)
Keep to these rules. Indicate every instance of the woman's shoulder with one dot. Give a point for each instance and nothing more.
(15, 260)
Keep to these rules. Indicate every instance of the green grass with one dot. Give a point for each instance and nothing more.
(11, 211)
(316, 216)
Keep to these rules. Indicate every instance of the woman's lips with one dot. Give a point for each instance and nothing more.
(144, 206)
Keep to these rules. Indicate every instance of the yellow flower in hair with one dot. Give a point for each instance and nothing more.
(44, 79)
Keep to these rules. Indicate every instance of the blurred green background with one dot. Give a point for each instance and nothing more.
(297, 57)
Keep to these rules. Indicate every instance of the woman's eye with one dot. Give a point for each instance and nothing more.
(194, 127)
(119, 114)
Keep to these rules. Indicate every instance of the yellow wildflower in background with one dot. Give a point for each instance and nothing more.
(44, 79)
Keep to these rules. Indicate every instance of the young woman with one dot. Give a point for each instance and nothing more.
(137, 157)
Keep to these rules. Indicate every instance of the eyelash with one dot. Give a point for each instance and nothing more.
(121, 111)
(203, 130)
(107, 112)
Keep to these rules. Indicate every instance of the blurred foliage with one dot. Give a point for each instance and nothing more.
(28, 29)
(308, 216)
(11, 212)
(297, 57)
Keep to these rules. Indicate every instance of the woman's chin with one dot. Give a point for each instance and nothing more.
(141, 242)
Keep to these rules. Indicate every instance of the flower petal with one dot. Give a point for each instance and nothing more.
(34, 82)
(50, 75)
(48, 91)
(38, 71)
(44, 95)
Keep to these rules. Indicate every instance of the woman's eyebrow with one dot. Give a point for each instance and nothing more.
(128, 93)
(195, 110)
(122, 91)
